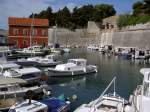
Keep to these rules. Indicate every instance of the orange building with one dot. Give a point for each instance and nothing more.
(26, 31)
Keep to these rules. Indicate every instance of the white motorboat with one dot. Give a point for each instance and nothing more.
(25, 106)
(46, 105)
(66, 50)
(93, 47)
(30, 74)
(47, 61)
(72, 68)
(12, 89)
(106, 103)
(7, 66)
(33, 50)
(141, 97)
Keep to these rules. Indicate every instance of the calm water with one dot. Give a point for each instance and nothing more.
(89, 87)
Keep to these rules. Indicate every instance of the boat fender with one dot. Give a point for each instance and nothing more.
(96, 70)
(74, 97)
(72, 73)
(47, 93)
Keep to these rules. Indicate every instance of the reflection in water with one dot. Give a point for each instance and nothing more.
(90, 86)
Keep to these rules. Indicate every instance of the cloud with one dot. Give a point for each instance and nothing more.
(19, 8)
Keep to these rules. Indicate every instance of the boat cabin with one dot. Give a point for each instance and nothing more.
(10, 84)
(72, 65)
(146, 81)
(24, 73)
(34, 48)
(35, 106)
(78, 62)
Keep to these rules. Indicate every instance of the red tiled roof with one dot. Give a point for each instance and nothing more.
(27, 21)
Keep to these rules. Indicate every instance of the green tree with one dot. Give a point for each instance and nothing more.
(82, 15)
(138, 8)
(105, 10)
(63, 17)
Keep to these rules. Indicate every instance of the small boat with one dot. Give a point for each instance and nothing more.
(66, 50)
(12, 89)
(46, 105)
(93, 47)
(30, 74)
(140, 99)
(106, 103)
(25, 106)
(7, 66)
(47, 61)
(33, 50)
(72, 68)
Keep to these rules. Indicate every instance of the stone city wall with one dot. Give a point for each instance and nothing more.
(133, 37)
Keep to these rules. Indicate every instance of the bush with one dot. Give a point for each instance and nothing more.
(126, 20)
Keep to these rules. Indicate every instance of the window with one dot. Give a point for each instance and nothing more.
(44, 33)
(15, 31)
(25, 31)
(24, 43)
(34, 31)
(4, 89)
(16, 42)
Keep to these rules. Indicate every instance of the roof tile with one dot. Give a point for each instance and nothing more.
(27, 21)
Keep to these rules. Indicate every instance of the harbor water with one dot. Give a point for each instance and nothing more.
(89, 87)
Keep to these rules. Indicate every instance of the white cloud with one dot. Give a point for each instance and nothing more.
(19, 8)
(71, 6)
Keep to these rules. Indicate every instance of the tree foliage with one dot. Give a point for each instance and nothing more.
(78, 18)
(141, 14)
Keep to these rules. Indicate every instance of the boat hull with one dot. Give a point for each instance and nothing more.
(56, 73)
(37, 64)
(22, 93)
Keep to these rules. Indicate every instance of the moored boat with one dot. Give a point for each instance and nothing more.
(33, 50)
(106, 103)
(141, 97)
(7, 66)
(30, 74)
(14, 89)
(72, 68)
(46, 105)
(47, 61)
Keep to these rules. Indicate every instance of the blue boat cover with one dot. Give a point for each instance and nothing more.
(53, 104)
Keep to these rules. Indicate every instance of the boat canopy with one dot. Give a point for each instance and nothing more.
(30, 70)
(146, 73)
(5, 81)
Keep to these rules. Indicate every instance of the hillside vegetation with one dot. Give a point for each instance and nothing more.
(78, 18)
(140, 14)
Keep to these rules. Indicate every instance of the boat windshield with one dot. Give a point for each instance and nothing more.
(79, 63)
(71, 61)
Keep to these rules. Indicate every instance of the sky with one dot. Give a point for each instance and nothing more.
(23, 8)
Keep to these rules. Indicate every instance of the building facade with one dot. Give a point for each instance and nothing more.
(24, 32)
